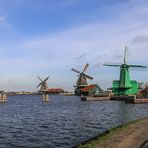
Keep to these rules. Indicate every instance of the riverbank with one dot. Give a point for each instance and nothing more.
(129, 135)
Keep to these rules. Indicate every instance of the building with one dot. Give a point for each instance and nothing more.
(55, 90)
(92, 90)
(144, 92)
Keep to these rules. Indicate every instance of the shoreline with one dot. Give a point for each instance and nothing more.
(131, 134)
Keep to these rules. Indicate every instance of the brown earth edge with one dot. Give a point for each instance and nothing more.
(130, 135)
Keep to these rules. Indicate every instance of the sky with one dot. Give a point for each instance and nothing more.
(48, 38)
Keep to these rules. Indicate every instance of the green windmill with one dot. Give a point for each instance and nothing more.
(125, 86)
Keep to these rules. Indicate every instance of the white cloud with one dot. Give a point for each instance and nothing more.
(2, 19)
(95, 43)
(140, 39)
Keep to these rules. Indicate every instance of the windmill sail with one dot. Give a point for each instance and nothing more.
(125, 55)
(114, 65)
(39, 85)
(39, 78)
(75, 70)
(88, 77)
(46, 79)
(85, 68)
(138, 66)
(43, 84)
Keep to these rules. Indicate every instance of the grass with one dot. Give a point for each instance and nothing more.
(101, 138)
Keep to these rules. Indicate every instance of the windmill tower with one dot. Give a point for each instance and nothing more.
(82, 79)
(43, 89)
(124, 86)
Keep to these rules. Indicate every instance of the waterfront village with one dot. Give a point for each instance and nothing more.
(123, 89)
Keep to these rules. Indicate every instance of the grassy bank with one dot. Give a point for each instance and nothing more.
(92, 143)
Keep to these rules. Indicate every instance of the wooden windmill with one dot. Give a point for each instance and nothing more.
(43, 89)
(43, 85)
(82, 79)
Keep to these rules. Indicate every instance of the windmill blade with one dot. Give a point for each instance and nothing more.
(114, 65)
(125, 55)
(39, 78)
(75, 70)
(138, 66)
(46, 79)
(88, 77)
(39, 85)
(85, 68)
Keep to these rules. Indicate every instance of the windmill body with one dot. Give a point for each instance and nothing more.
(125, 86)
(82, 80)
(43, 85)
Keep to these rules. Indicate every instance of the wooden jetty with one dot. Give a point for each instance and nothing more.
(97, 98)
(137, 100)
(128, 99)
(121, 98)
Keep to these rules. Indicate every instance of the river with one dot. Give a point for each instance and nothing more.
(65, 121)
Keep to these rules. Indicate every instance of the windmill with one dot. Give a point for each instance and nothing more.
(43, 89)
(82, 79)
(43, 85)
(124, 86)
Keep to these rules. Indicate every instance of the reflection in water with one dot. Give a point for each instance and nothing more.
(63, 122)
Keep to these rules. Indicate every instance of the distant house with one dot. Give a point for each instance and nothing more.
(55, 90)
(91, 90)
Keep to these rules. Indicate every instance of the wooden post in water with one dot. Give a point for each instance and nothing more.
(3, 97)
(45, 97)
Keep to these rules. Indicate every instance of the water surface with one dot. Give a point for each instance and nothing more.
(65, 121)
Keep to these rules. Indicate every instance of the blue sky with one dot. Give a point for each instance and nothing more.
(48, 38)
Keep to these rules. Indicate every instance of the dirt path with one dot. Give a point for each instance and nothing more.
(131, 136)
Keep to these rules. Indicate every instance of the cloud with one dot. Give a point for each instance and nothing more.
(95, 43)
(140, 39)
(55, 55)
(2, 19)
(4, 25)
(82, 57)
(37, 4)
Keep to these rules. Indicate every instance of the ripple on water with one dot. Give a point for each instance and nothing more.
(62, 122)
